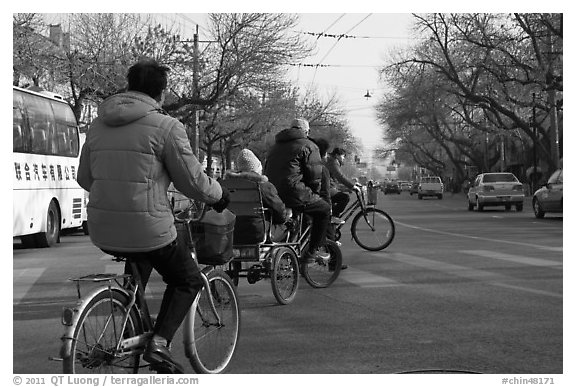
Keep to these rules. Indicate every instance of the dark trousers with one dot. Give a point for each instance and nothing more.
(182, 277)
(339, 202)
(319, 211)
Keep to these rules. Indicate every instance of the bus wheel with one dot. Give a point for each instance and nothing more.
(52, 234)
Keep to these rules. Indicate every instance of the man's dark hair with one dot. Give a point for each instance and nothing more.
(338, 152)
(322, 144)
(148, 77)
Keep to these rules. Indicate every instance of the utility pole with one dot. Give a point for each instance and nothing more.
(196, 94)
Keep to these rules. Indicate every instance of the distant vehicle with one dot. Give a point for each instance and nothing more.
(46, 151)
(414, 188)
(391, 187)
(549, 197)
(431, 186)
(404, 185)
(496, 189)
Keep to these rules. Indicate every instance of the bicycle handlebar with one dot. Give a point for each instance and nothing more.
(191, 212)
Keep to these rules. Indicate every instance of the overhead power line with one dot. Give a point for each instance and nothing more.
(337, 41)
(329, 65)
(346, 36)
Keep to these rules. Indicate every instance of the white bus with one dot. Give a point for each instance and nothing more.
(46, 153)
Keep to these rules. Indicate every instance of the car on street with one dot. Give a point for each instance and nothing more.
(496, 189)
(391, 187)
(414, 188)
(549, 197)
(431, 186)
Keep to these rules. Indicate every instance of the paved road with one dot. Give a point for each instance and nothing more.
(456, 290)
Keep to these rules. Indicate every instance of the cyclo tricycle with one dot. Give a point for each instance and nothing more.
(274, 254)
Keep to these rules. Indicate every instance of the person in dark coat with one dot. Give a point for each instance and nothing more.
(294, 166)
(339, 182)
(249, 167)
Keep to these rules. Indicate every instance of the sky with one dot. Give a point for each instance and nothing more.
(346, 67)
(352, 64)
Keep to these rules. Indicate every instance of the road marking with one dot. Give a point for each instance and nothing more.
(24, 279)
(514, 258)
(365, 279)
(467, 272)
(541, 247)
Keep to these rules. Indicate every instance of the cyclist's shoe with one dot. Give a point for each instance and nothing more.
(161, 360)
(336, 220)
(317, 256)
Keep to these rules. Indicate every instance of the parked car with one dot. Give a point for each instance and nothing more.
(549, 197)
(391, 187)
(496, 189)
(414, 188)
(431, 186)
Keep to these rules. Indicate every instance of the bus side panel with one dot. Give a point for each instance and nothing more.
(29, 212)
(37, 180)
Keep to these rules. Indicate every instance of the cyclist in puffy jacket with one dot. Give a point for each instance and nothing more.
(133, 151)
(294, 166)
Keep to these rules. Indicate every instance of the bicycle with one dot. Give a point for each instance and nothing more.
(372, 228)
(107, 332)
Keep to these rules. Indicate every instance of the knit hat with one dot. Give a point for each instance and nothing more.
(248, 162)
(300, 123)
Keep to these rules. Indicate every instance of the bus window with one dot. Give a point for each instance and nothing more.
(41, 121)
(21, 139)
(66, 136)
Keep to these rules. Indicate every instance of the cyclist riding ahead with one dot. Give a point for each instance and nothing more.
(295, 168)
(133, 151)
(339, 197)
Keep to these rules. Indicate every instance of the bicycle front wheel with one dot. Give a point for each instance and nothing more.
(320, 274)
(284, 275)
(96, 335)
(373, 229)
(209, 343)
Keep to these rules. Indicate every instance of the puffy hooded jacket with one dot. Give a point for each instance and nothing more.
(294, 166)
(133, 151)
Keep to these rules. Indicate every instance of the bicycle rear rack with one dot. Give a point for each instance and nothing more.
(101, 277)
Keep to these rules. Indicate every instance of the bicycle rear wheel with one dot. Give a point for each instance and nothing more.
(373, 230)
(208, 344)
(96, 335)
(320, 274)
(284, 275)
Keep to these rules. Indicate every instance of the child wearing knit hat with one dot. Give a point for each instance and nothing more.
(248, 162)
(249, 167)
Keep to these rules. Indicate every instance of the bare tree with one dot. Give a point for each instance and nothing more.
(486, 67)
